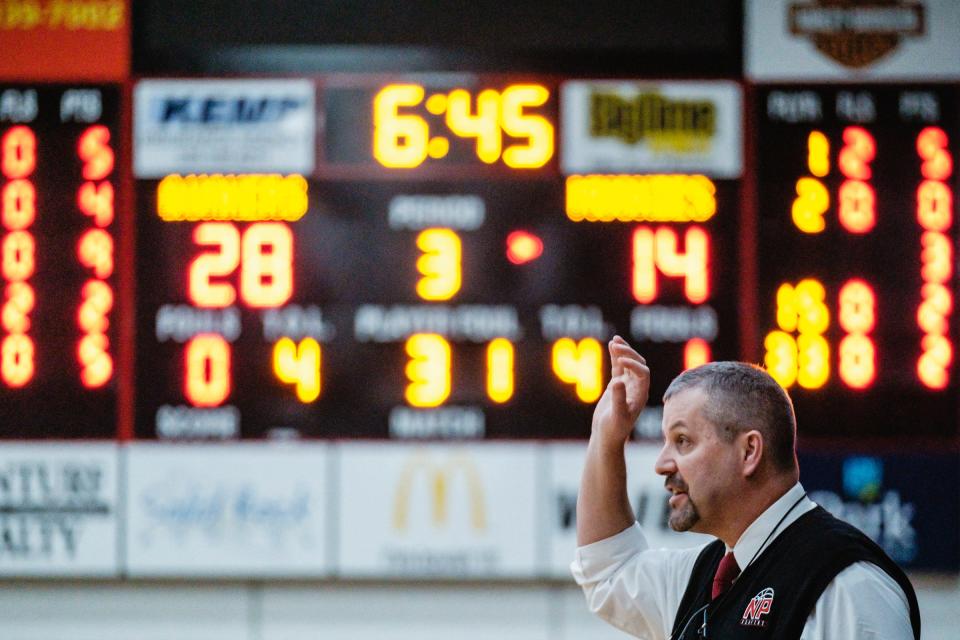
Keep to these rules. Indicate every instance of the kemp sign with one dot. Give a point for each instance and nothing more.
(240, 126)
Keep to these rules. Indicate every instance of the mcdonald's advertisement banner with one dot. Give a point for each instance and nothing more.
(437, 510)
(230, 510)
(647, 495)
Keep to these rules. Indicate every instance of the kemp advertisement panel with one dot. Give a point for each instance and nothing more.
(647, 495)
(58, 510)
(434, 510)
(249, 509)
(909, 504)
(244, 126)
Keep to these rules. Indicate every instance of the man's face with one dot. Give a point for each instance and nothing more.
(700, 468)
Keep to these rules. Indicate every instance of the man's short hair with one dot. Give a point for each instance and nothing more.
(742, 397)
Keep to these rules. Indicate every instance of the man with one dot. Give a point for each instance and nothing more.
(781, 567)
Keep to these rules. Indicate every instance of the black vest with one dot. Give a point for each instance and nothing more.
(775, 595)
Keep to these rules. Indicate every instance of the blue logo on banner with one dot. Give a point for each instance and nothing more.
(214, 110)
(862, 478)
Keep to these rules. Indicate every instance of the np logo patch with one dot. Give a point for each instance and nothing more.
(758, 607)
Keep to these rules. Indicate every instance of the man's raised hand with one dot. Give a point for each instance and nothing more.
(626, 393)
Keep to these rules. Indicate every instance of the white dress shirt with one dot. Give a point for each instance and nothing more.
(638, 589)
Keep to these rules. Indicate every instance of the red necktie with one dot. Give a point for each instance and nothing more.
(727, 572)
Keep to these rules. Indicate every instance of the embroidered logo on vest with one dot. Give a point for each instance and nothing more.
(758, 607)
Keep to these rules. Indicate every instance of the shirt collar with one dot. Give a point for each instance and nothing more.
(753, 537)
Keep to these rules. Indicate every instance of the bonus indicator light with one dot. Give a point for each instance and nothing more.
(523, 247)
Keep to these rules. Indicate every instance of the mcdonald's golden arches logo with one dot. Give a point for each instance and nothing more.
(438, 480)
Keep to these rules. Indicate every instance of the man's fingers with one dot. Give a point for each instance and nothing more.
(620, 349)
(619, 395)
(616, 368)
(636, 367)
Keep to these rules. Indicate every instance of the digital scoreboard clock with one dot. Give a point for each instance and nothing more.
(857, 255)
(435, 275)
(60, 162)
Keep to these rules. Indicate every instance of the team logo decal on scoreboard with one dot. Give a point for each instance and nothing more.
(853, 32)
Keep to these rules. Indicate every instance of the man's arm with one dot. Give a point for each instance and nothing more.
(603, 507)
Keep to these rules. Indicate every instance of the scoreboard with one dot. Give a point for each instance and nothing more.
(436, 275)
(60, 162)
(430, 256)
(857, 255)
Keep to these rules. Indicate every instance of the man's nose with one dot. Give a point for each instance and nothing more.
(665, 464)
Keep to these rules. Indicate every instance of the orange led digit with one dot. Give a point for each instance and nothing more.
(484, 125)
(207, 376)
(857, 307)
(657, 250)
(811, 203)
(936, 257)
(818, 154)
(858, 151)
(857, 361)
(500, 370)
(299, 364)
(95, 251)
(580, 364)
(19, 204)
(536, 129)
(96, 201)
(934, 363)
(94, 149)
(934, 205)
(428, 370)
(18, 152)
(16, 360)
(696, 352)
(96, 363)
(399, 140)
(97, 302)
(780, 357)
(857, 206)
(225, 238)
(266, 276)
(18, 253)
(20, 299)
(439, 265)
(932, 149)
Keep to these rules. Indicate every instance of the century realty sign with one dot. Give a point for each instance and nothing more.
(58, 509)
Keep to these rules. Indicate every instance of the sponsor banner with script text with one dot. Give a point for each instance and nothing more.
(240, 509)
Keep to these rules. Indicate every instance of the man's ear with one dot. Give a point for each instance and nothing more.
(751, 451)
